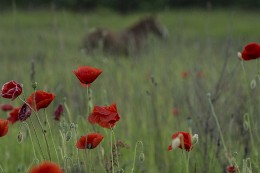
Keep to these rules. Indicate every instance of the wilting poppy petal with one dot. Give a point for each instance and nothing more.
(231, 169)
(105, 116)
(42, 99)
(46, 167)
(87, 74)
(182, 140)
(24, 112)
(58, 112)
(13, 115)
(6, 107)
(11, 90)
(90, 141)
(251, 51)
(3, 127)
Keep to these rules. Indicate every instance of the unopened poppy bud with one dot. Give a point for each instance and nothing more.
(72, 125)
(20, 137)
(68, 136)
(141, 157)
(34, 85)
(253, 84)
(195, 139)
(120, 170)
(239, 55)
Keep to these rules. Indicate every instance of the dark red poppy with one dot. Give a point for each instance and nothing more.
(105, 116)
(181, 140)
(90, 141)
(24, 112)
(200, 74)
(175, 111)
(87, 74)
(58, 112)
(3, 127)
(6, 107)
(46, 167)
(13, 115)
(11, 90)
(231, 169)
(185, 74)
(251, 51)
(41, 98)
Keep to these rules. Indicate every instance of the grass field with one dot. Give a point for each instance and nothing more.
(145, 88)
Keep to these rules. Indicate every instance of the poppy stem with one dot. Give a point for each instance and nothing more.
(112, 156)
(136, 145)
(37, 138)
(117, 159)
(64, 149)
(219, 128)
(27, 126)
(39, 121)
(1, 169)
(51, 136)
(68, 111)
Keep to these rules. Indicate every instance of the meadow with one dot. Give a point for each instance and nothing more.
(195, 71)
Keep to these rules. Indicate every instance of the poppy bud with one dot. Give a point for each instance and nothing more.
(195, 139)
(68, 135)
(120, 170)
(141, 157)
(20, 137)
(34, 85)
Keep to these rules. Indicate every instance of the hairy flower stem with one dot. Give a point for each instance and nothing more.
(136, 145)
(39, 121)
(112, 157)
(68, 111)
(27, 126)
(37, 139)
(219, 128)
(1, 169)
(117, 159)
(51, 136)
(251, 113)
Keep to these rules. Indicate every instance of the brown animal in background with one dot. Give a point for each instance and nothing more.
(94, 40)
(129, 41)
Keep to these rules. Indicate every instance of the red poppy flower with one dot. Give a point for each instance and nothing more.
(42, 99)
(87, 74)
(231, 169)
(105, 116)
(6, 107)
(58, 112)
(13, 115)
(175, 111)
(185, 74)
(3, 127)
(11, 90)
(251, 51)
(200, 74)
(24, 112)
(46, 167)
(182, 140)
(90, 141)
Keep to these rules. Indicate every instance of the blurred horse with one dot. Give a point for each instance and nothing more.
(130, 40)
(94, 40)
